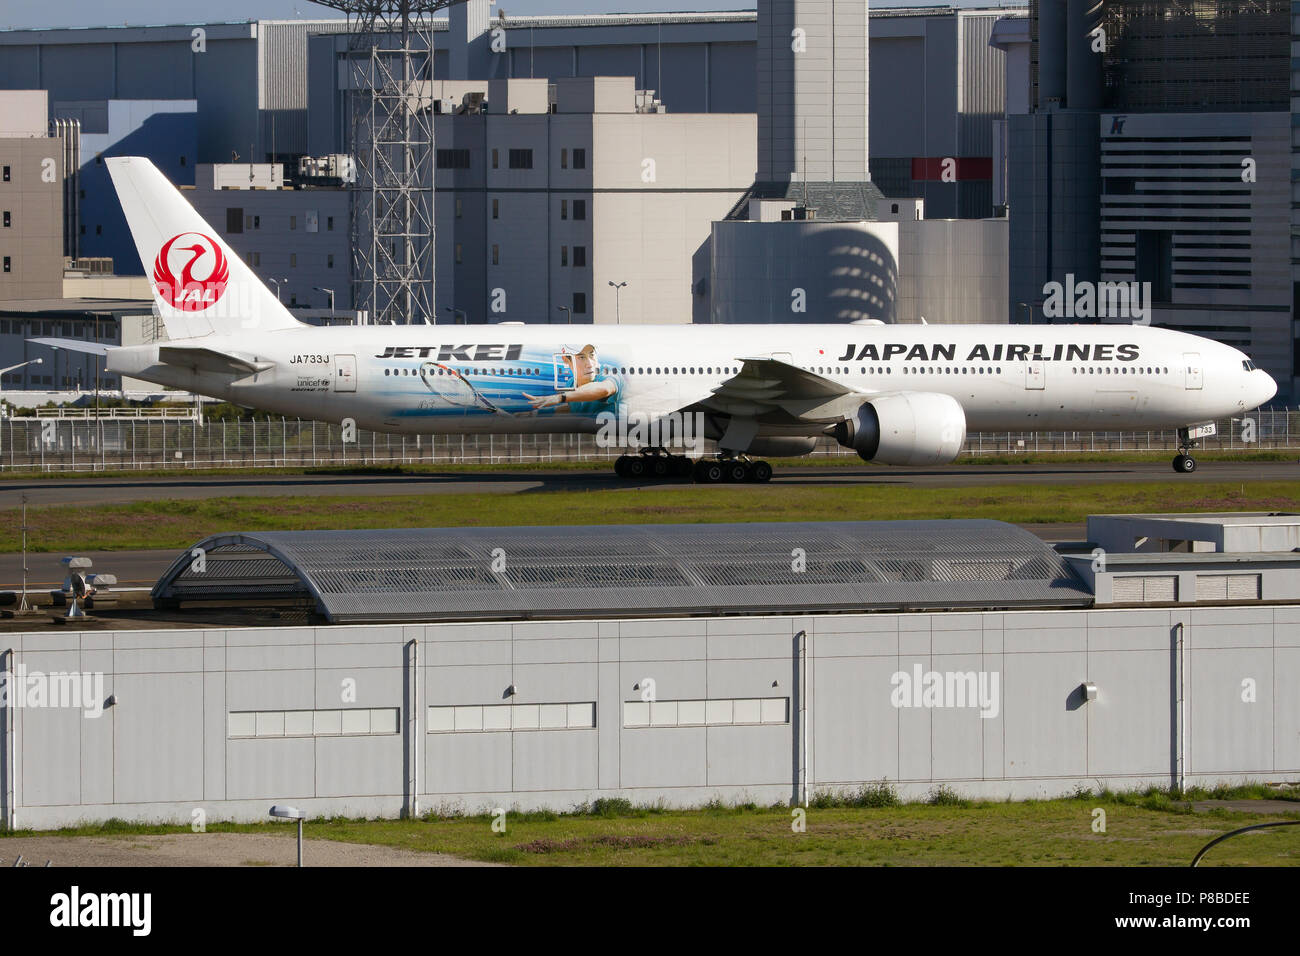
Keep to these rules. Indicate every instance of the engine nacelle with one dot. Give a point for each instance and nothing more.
(909, 428)
(781, 446)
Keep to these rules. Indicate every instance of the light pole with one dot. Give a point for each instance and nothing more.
(277, 286)
(291, 813)
(464, 316)
(6, 371)
(328, 292)
(568, 314)
(1029, 312)
(618, 320)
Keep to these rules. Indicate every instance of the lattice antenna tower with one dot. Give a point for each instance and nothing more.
(389, 86)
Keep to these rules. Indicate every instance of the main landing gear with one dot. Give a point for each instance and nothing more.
(658, 463)
(1184, 463)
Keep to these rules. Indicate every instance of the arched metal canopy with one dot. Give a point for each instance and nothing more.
(430, 574)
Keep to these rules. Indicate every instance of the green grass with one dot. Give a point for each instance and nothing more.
(509, 467)
(178, 524)
(1151, 827)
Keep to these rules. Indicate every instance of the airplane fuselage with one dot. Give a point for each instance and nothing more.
(1004, 377)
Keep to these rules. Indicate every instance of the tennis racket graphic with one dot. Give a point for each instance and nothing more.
(454, 388)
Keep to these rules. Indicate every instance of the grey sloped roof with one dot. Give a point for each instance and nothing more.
(427, 574)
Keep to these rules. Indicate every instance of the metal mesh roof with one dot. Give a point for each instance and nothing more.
(425, 574)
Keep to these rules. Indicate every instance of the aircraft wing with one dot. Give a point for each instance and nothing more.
(74, 345)
(210, 360)
(768, 389)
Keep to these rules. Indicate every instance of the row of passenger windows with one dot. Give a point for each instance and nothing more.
(820, 370)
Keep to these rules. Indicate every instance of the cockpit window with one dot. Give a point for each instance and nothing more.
(1248, 365)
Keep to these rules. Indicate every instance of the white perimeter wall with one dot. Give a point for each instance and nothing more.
(166, 748)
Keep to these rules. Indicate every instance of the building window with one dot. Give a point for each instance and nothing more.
(256, 259)
(580, 209)
(564, 255)
(564, 209)
(495, 159)
(579, 256)
(579, 159)
(99, 230)
(496, 209)
(521, 159)
(7, 223)
(8, 266)
(459, 210)
(459, 253)
(234, 220)
(257, 222)
(329, 261)
(579, 303)
(6, 176)
(454, 159)
(329, 223)
(182, 160)
(293, 222)
(496, 254)
(564, 159)
(293, 260)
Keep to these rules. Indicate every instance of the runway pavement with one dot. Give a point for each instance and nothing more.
(91, 490)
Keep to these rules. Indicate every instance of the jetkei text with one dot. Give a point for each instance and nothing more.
(455, 353)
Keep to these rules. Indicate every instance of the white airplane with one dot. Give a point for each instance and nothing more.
(902, 395)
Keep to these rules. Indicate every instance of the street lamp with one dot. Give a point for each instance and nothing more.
(568, 313)
(1029, 312)
(617, 286)
(464, 316)
(277, 286)
(6, 371)
(330, 293)
(291, 813)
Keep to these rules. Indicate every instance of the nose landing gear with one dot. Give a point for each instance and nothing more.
(1184, 463)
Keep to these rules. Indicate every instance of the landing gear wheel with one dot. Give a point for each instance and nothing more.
(1184, 464)
(635, 467)
(660, 466)
(620, 466)
(708, 472)
(760, 471)
(682, 466)
(734, 471)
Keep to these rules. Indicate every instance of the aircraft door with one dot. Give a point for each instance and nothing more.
(1192, 361)
(1034, 375)
(345, 373)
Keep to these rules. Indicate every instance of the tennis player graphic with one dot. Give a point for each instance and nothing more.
(594, 391)
(454, 388)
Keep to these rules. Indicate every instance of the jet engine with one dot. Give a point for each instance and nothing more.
(907, 428)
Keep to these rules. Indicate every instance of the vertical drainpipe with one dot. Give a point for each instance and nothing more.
(1179, 714)
(11, 749)
(416, 738)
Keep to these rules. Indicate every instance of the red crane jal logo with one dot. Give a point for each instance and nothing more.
(203, 274)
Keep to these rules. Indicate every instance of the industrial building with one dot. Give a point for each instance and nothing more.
(641, 258)
(31, 177)
(674, 664)
(1156, 150)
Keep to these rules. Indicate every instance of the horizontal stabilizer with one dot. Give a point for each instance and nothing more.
(209, 360)
(74, 345)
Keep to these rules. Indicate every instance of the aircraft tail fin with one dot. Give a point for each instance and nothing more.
(201, 286)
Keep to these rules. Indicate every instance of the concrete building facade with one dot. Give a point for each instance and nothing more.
(31, 199)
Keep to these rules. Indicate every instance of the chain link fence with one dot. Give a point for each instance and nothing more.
(68, 444)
